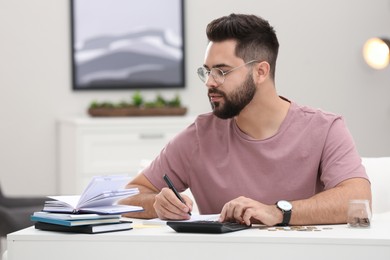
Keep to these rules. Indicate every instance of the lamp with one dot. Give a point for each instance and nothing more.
(376, 52)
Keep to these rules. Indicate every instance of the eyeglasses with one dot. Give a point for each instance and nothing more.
(218, 74)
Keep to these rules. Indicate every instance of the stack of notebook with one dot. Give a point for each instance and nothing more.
(94, 211)
(79, 223)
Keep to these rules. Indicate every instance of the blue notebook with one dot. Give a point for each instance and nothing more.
(70, 216)
(71, 223)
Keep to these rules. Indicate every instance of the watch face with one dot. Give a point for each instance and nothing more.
(285, 205)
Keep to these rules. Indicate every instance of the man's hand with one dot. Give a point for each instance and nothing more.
(168, 206)
(247, 211)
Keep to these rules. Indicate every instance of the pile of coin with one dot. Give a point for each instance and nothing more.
(359, 222)
(294, 228)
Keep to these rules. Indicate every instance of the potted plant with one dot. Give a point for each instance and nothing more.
(137, 106)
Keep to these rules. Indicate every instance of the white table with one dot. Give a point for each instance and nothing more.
(161, 242)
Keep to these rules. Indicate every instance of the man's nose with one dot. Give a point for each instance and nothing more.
(211, 83)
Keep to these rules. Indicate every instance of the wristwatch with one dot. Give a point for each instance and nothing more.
(286, 208)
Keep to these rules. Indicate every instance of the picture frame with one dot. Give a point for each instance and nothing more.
(127, 44)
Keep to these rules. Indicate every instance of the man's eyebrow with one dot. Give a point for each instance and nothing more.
(221, 65)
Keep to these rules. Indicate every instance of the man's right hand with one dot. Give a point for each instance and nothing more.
(168, 206)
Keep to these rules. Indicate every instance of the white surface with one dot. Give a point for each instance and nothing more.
(161, 242)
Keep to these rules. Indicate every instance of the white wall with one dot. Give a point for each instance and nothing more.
(320, 65)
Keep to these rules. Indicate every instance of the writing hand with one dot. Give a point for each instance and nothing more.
(168, 206)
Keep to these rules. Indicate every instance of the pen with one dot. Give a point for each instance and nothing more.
(170, 185)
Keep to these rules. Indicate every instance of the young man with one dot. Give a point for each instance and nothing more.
(258, 157)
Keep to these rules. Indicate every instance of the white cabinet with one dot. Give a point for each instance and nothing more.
(104, 146)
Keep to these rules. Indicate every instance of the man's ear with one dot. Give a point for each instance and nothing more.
(262, 71)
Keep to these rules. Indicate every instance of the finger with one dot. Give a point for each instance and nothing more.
(167, 215)
(164, 209)
(164, 213)
(188, 201)
(173, 203)
(246, 217)
(222, 215)
(229, 212)
(162, 206)
(246, 212)
(239, 210)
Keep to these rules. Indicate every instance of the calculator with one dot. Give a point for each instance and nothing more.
(206, 226)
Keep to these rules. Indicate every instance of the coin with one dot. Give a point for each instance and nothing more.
(263, 228)
(364, 222)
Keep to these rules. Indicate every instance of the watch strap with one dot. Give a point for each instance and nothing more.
(286, 216)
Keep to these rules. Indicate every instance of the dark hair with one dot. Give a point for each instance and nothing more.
(256, 38)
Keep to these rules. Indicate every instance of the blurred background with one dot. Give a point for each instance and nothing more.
(320, 64)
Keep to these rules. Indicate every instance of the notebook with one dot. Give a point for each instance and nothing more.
(89, 229)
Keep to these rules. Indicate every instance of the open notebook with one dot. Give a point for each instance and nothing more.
(99, 197)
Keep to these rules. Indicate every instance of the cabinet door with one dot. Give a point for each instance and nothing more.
(121, 151)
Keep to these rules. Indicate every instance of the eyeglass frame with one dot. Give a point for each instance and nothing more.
(223, 73)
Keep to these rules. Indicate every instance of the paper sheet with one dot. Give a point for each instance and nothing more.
(194, 217)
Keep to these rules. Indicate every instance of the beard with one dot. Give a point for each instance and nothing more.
(235, 101)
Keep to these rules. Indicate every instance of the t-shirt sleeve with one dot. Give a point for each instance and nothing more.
(340, 160)
(174, 160)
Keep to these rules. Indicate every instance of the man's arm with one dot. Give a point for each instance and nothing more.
(327, 207)
(163, 204)
(145, 198)
(331, 206)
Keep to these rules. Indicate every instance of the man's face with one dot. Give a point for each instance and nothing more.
(238, 89)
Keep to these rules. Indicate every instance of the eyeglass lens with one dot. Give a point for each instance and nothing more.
(217, 74)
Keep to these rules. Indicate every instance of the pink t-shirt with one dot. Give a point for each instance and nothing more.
(311, 152)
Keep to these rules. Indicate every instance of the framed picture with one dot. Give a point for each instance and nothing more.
(127, 44)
